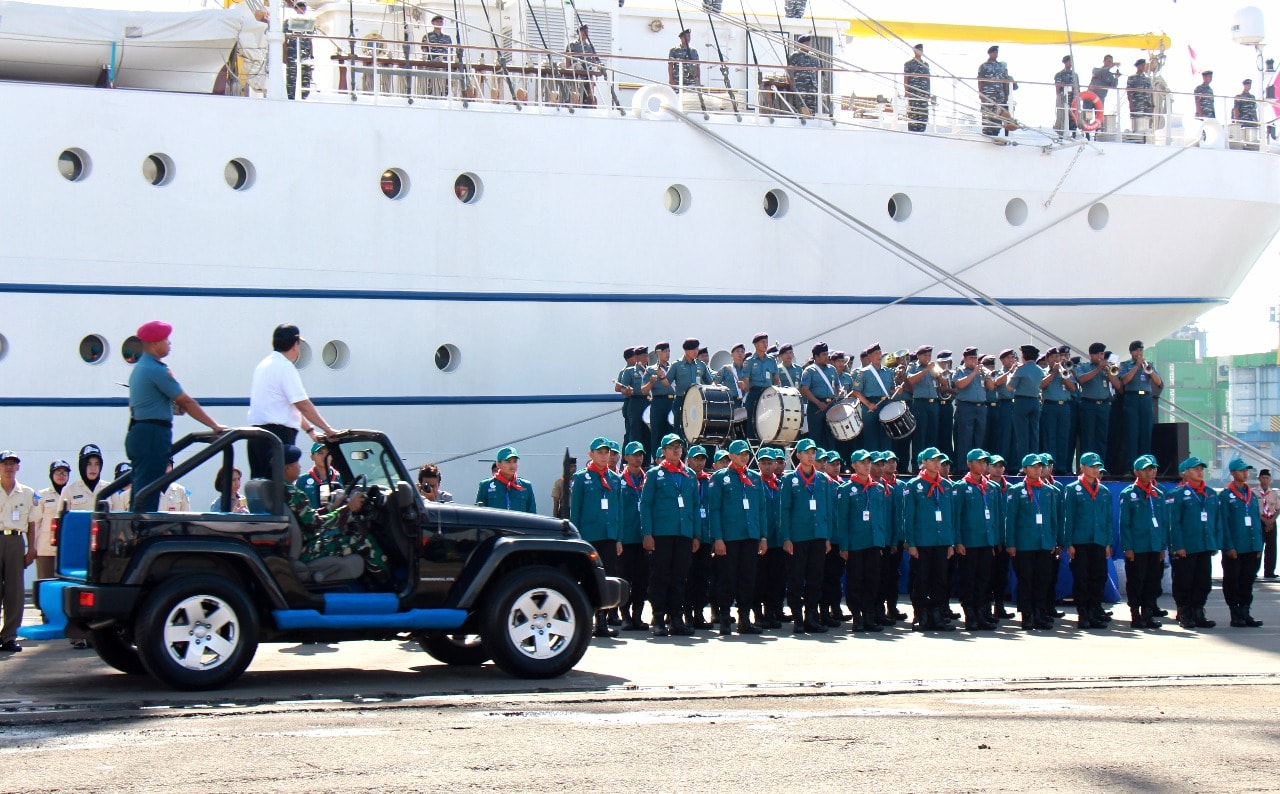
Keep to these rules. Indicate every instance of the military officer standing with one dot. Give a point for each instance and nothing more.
(1195, 535)
(872, 387)
(1030, 537)
(683, 69)
(1064, 89)
(662, 396)
(634, 387)
(1241, 544)
(504, 490)
(818, 387)
(1139, 379)
(805, 523)
(1055, 420)
(928, 527)
(1144, 535)
(1025, 385)
(633, 564)
(735, 507)
(1096, 383)
(916, 87)
(1204, 97)
(803, 66)
(761, 371)
(1000, 415)
(668, 515)
(683, 375)
(1141, 102)
(994, 86)
(1089, 526)
(971, 383)
(595, 508)
(978, 510)
(922, 381)
(1245, 109)
(789, 371)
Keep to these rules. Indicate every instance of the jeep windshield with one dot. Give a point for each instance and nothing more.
(370, 459)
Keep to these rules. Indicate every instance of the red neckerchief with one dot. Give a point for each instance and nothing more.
(1004, 484)
(1092, 491)
(1033, 484)
(934, 485)
(511, 484)
(704, 475)
(808, 481)
(1197, 487)
(982, 483)
(770, 480)
(864, 483)
(626, 475)
(1244, 497)
(1048, 479)
(1150, 490)
(674, 468)
(315, 475)
(742, 475)
(890, 480)
(603, 472)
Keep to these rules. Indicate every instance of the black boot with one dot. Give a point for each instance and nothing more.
(859, 624)
(1157, 612)
(871, 621)
(921, 620)
(940, 622)
(798, 627)
(1100, 615)
(1136, 619)
(1150, 614)
(1248, 619)
(1028, 618)
(659, 628)
(697, 619)
(773, 619)
(614, 618)
(679, 628)
(828, 617)
(813, 622)
(896, 613)
(603, 629)
(1186, 617)
(1201, 621)
(722, 619)
(970, 619)
(1044, 618)
(1085, 619)
(745, 626)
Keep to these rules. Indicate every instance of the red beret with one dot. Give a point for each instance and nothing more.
(155, 331)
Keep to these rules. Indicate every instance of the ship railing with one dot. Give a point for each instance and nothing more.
(389, 72)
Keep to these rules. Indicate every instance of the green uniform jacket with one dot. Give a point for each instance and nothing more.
(772, 514)
(978, 514)
(595, 510)
(1241, 522)
(863, 515)
(897, 493)
(928, 520)
(805, 509)
(702, 521)
(661, 510)
(1022, 529)
(1144, 522)
(495, 493)
(631, 488)
(735, 510)
(1195, 521)
(1087, 519)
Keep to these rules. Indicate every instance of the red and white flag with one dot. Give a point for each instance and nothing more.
(1192, 52)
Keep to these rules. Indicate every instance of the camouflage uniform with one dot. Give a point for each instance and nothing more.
(326, 534)
(1245, 109)
(805, 80)
(688, 74)
(994, 85)
(918, 92)
(1141, 102)
(1204, 102)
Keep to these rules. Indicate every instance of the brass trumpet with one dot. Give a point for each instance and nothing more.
(893, 359)
(1113, 370)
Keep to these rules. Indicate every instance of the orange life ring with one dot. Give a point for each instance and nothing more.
(1077, 111)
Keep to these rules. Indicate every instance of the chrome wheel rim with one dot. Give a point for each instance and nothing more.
(541, 623)
(201, 632)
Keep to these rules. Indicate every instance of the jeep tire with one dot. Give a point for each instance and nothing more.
(112, 648)
(196, 632)
(461, 650)
(536, 622)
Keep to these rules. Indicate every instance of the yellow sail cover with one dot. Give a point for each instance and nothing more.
(937, 31)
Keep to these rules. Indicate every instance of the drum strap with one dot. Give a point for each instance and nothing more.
(787, 373)
(883, 388)
(825, 379)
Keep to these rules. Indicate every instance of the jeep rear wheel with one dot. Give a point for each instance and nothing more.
(112, 648)
(464, 650)
(197, 632)
(537, 623)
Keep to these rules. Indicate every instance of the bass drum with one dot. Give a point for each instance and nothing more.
(844, 421)
(708, 414)
(779, 414)
(897, 420)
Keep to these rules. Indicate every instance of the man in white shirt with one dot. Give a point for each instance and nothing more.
(1270, 508)
(278, 402)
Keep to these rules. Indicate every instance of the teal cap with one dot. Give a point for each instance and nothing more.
(776, 453)
(696, 450)
(805, 445)
(1238, 464)
(1144, 462)
(997, 459)
(1191, 463)
(832, 456)
(888, 454)
(859, 455)
(671, 438)
(316, 447)
(875, 456)
(1046, 458)
(599, 442)
(942, 456)
(507, 453)
(929, 453)
(633, 447)
(977, 454)
(1092, 459)
(738, 447)
(1031, 459)
(721, 455)
(615, 446)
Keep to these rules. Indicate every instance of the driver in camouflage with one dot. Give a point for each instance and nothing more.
(331, 534)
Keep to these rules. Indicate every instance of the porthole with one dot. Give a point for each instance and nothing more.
(335, 354)
(1015, 212)
(775, 203)
(93, 349)
(4, 347)
(678, 200)
(899, 207)
(73, 164)
(448, 357)
(395, 183)
(467, 188)
(131, 350)
(158, 169)
(239, 174)
(1098, 217)
(304, 355)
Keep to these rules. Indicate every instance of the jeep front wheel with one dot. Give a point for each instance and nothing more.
(197, 632)
(536, 623)
(463, 650)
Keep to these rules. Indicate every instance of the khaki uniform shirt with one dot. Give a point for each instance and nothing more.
(16, 508)
(45, 510)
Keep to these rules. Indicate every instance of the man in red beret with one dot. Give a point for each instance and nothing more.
(154, 395)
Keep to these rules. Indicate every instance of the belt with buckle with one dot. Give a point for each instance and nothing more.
(664, 396)
(156, 422)
(1137, 393)
(926, 399)
(11, 531)
(971, 402)
(1097, 402)
(991, 405)
(1056, 402)
(1025, 397)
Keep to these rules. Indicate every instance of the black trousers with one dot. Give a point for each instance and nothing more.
(1269, 551)
(608, 552)
(890, 569)
(804, 574)
(862, 582)
(697, 591)
(633, 566)
(832, 573)
(1192, 578)
(975, 576)
(1142, 578)
(736, 574)
(1032, 568)
(1089, 574)
(633, 414)
(1238, 576)
(1000, 575)
(260, 450)
(929, 588)
(668, 569)
(660, 422)
(771, 579)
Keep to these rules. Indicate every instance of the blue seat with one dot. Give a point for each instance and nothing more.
(73, 544)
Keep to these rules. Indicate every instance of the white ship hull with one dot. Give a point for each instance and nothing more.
(568, 255)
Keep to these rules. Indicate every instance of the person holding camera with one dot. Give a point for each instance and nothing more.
(429, 485)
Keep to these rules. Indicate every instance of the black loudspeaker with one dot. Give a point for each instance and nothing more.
(1170, 445)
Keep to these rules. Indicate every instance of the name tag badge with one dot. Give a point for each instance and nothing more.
(17, 516)
(987, 513)
(702, 512)
(1204, 516)
(937, 516)
(679, 500)
(866, 515)
(604, 503)
(1155, 522)
(324, 494)
(1248, 520)
(1039, 518)
(746, 503)
(813, 505)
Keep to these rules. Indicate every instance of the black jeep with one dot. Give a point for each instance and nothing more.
(187, 597)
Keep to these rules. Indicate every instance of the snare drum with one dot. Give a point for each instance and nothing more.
(897, 420)
(708, 414)
(779, 414)
(844, 421)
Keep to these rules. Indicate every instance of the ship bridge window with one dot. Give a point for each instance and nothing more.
(73, 164)
(1015, 212)
(239, 174)
(467, 188)
(93, 349)
(899, 207)
(775, 203)
(335, 354)
(1098, 216)
(158, 169)
(678, 200)
(131, 350)
(448, 357)
(394, 183)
